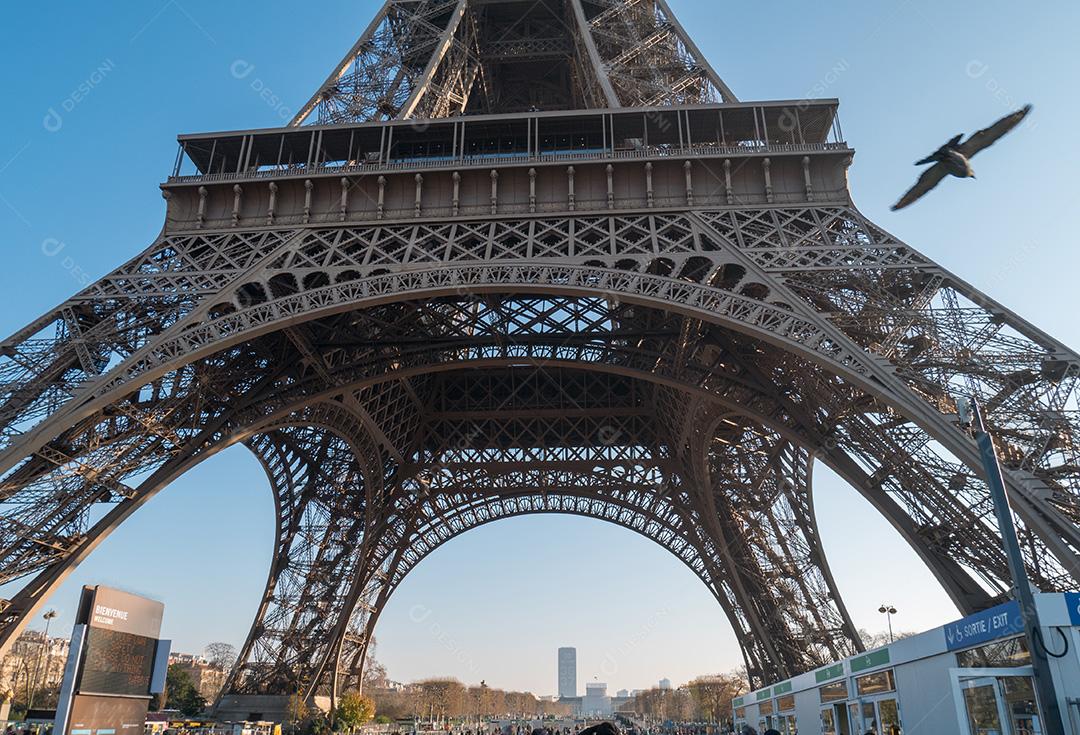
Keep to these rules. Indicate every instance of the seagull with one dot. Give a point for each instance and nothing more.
(953, 158)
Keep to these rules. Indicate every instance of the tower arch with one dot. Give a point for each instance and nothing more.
(631, 289)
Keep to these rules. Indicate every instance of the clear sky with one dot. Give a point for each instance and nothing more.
(497, 602)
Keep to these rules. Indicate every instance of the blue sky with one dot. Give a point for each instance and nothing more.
(78, 195)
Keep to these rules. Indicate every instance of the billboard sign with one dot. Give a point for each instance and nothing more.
(123, 612)
(92, 715)
(112, 664)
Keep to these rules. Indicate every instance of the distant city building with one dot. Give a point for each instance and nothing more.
(187, 659)
(574, 703)
(665, 683)
(622, 693)
(567, 672)
(207, 679)
(596, 702)
(32, 659)
(395, 686)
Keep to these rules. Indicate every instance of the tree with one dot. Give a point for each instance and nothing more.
(881, 639)
(296, 709)
(354, 710)
(713, 695)
(394, 704)
(221, 656)
(315, 724)
(182, 693)
(449, 698)
(374, 672)
(441, 698)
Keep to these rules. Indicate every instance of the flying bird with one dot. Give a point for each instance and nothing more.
(954, 158)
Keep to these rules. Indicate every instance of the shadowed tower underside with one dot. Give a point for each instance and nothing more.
(533, 258)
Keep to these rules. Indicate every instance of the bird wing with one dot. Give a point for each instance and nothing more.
(988, 136)
(930, 178)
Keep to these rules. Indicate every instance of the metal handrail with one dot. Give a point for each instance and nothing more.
(452, 163)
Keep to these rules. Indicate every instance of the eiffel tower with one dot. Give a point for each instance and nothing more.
(533, 257)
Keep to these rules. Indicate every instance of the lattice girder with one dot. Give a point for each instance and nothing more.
(622, 482)
(715, 300)
(425, 59)
(669, 329)
(314, 562)
(648, 56)
(669, 313)
(388, 65)
(813, 331)
(589, 354)
(428, 508)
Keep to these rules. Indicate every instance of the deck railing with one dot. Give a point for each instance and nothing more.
(342, 168)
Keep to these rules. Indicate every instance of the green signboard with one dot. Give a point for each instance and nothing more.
(870, 660)
(738, 702)
(829, 672)
(763, 694)
(782, 688)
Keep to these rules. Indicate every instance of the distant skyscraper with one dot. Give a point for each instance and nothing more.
(567, 672)
(665, 683)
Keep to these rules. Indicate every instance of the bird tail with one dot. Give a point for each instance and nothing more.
(929, 159)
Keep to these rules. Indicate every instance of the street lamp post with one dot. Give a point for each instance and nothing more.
(888, 611)
(971, 416)
(37, 667)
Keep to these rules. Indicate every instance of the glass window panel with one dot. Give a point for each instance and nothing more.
(828, 722)
(785, 703)
(982, 710)
(740, 712)
(834, 692)
(863, 717)
(877, 683)
(765, 707)
(869, 712)
(1020, 703)
(889, 716)
(999, 654)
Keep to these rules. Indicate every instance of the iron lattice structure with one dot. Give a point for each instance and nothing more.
(533, 258)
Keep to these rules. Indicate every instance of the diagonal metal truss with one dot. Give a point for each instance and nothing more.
(648, 57)
(424, 59)
(184, 413)
(582, 443)
(667, 345)
(390, 65)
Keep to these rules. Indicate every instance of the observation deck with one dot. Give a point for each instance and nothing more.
(778, 152)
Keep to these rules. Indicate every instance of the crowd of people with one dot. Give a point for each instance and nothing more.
(29, 729)
(603, 728)
(520, 729)
(677, 728)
